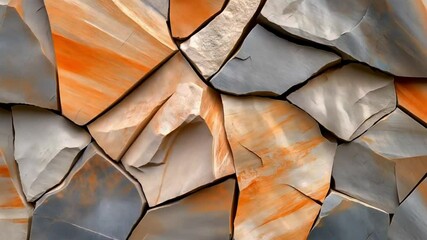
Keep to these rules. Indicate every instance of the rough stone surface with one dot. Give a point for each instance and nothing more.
(188, 15)
(46, 146)
(365, 168)
(269, 65)
(205, 214)
(386, 34)
(348, 100)
(14, 210)
(344, 218)
(97, 200)
(183, 147)
(210, 47)
(27, 74)
(162, 6)
(412, 96)
(103, 48)
(282, 163)
(409, 221)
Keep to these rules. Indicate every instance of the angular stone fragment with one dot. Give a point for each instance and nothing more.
(347, 101)
(409, 171)
(365, 168)
(14, 210)
(344, 218)
(27, 68)
(103, 49)
(183, 147)
(386, 34)
(188, 15)
(412, 96)
(206, 214)
(282, 163)
(210, 47)
(269, 65)
(97, 200)
(46, 146)
(162, 6)
(409, 221)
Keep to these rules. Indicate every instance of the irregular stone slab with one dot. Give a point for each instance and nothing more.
(365, 168)
(97, 200)
(205, 214)
(344, 218)
(182, 147)
(409, 172)
(391, 39)
(282, 162)
(188, 15)
(269, 65)
(103, 49)
(14, 210)
(162, 6)
(46, 146)
(25, 40)
(412, 96)
(410, 220)
(353, 98)
(210, 47)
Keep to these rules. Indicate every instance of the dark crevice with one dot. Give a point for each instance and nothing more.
(413, 116)
(234, 208)
(413, 189)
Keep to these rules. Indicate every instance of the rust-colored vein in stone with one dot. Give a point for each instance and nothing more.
(412, 96)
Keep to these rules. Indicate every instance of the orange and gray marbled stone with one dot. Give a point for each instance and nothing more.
(206, 214)
(282, 163)
(97, 200)
(186, 16)
(412, 96)
(347, 100)
(211, 46)
(14, 210)
(386, 34)
(183, 147)
(27, 68)
(46, 146)
(103, 48)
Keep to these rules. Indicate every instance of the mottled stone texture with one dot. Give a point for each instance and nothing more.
(103, 48)
(412, 96)
(97, 200)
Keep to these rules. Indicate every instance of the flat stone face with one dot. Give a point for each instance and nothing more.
(344, 218)
(269, 65)
(97, 200)
(27, 74)
(103, 49)
(210, 47)
(282, 162)
(410, 220)
(409, 172)
(188, 15)
(205, 214)
(352, 97)
(183, 147)
(46, 146)
(390, 38)
(412, 96)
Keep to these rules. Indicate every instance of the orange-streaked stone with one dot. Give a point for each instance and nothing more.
(187, 15)
(103, 48)
(412, 96)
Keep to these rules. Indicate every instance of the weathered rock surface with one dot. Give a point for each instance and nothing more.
(25, 40)
(14, 210)
(188, 15)
(365, 168)
(282, 163)
(46, 146)
(206, 214)
(210, 47)
(409, 172)
(162, 6)
(183, 147)
(412, 96)
(269, 65)
(103, 49)
(97, 200)
(409, 221)
(387, 34)
(344, 218)
(348, 100)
